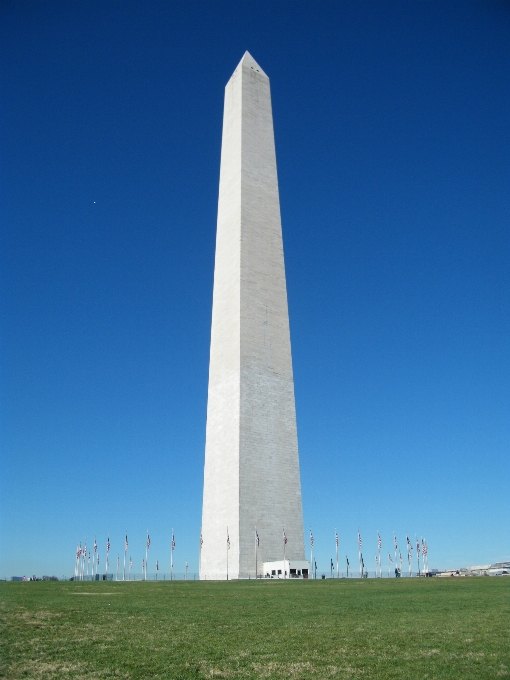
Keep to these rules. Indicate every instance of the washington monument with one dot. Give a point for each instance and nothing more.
(251, 474)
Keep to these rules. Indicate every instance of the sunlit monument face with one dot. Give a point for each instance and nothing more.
(251, 475)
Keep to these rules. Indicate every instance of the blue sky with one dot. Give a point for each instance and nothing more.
(393, 151)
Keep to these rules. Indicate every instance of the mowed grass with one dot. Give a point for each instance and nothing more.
(409, 628)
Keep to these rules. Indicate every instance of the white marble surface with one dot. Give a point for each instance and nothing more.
(251, 474)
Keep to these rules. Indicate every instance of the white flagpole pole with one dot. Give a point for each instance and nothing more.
(359, 556)
(256, 550)
(200, 555)
(146, 554)
(396, 548)
(336, 544)
(284, 546)
(228, 548)
(172, 557)
(124, 568)
(311, 551)
(107, 558)
(418, 554)
(388, 565)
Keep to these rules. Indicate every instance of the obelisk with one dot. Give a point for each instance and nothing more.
(251, 472)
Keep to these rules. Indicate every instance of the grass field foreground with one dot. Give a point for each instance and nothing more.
(378, 628)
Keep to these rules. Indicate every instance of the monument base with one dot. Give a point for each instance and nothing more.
(286, 569)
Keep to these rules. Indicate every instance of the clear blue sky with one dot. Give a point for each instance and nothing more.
(393, 147)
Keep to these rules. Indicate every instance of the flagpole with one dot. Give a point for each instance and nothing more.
(200, 554)
(228, 548)
(172, 557)
(396, 548)
(359, 555)
(311, 548)
(256, 550)
(124, 568)
(284, 545)
(336, 544)
(389, 558)
(347, 561)
(418, 553)
(146, 554)
(107, 557)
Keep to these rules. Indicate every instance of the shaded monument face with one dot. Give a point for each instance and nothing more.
(251, 474)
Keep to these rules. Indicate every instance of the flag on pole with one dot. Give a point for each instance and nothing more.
(126, 544)
(118, 561)
(130, 562)
(186, 566)
(418, 547)
(347, 560)
(285, 538)
(95, 546)
(228, 541)
(379, 542)
(360, 542)
(336, 539)
(157, 565)
(201, 540)
(409, 544)
(108, 545)
(311, 538)
(98, 560)
(395, 542)
(257, 539)
(173, 541)
(389, 557)
(148, 541)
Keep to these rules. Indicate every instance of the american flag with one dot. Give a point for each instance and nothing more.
(401, 560)
(143, 565)
(84, 552)
(173, 541)
(376, 560)
(395, 542)
(186, 565)
(78, 550)
(336, 539)
(424, 547)
(257, 539)
(228, 541)
(379, 542)
(157, 565)
(126, 544)
(108, 545)
(148, 541)
(89, 558)
(347, 560)
(95, 546)
(360, 542)
(409, 544)
(389, 557)
(311, 538)
(417, 547)
(285, 537)
(98, 559)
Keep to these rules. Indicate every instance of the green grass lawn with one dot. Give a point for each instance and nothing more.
(384, 628)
